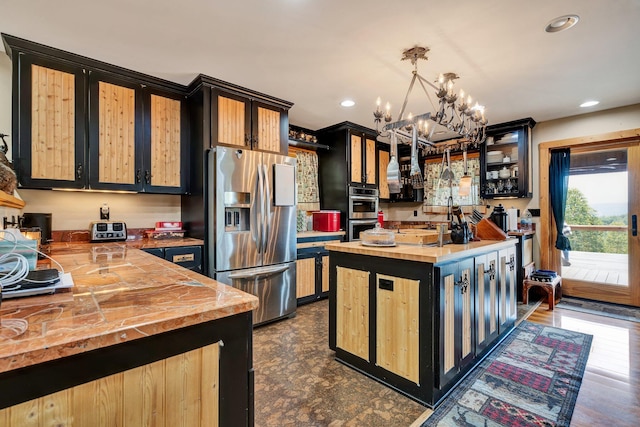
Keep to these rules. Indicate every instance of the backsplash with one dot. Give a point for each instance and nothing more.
(74, 210)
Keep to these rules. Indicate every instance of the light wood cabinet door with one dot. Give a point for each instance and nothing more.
(456, 318)
(51, 132)
(398, 326)
(507, 287)
(164, 143)
(233, 120)
(305, 277)
(182, 390)
(325, 273)
(487, 300)
(268, 132)
(370, 161)
(383, 164)
(356, 158)
(115, 133)
(352, 311)
(244, 122)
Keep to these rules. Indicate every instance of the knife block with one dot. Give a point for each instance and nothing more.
(487, 230)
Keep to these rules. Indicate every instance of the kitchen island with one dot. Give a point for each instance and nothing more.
(419, 318)
(138, 340)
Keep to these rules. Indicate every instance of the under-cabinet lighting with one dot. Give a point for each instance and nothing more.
(348, 103)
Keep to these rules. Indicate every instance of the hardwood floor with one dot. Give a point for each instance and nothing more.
(610, 390)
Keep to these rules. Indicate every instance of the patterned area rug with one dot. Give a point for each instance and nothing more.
(531, 379)
(616, 311)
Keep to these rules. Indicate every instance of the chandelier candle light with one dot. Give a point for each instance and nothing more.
(453, 112)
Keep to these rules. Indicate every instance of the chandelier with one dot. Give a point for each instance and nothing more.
(454, 111)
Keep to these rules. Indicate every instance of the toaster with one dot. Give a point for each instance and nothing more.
(108, 231)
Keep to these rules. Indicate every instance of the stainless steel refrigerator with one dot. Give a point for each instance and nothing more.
(251, 202)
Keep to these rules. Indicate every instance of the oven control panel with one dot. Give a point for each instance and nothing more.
(108, 231)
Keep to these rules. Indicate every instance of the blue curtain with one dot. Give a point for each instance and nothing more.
(558, 187)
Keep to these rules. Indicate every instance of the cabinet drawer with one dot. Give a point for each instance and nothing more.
(185, 256)
(159, 252)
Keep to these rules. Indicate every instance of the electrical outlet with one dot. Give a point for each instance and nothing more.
(535, 212)
(415, 213)
(104, 212)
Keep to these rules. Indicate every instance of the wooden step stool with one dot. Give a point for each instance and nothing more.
(548, 287)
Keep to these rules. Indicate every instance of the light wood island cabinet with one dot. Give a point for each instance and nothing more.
(419, 318)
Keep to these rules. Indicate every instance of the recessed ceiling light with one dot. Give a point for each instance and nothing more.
(561, 23)
(348, 103)
(589, 104)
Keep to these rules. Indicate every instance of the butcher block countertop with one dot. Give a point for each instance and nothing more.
(120, 294)
(429, 254)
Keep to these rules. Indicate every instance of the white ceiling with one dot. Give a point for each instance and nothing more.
(315, 53)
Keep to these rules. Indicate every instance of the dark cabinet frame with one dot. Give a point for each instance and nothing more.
(524, 184)
(22, 137)
(86, 71)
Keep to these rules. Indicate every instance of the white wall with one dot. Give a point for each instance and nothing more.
(74, 210)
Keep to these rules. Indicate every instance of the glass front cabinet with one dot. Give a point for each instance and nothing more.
(505, 160)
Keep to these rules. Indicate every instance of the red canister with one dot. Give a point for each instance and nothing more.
(326, 221)
(381, 218)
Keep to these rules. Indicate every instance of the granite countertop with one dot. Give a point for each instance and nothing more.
(120, 294)
(430, 254)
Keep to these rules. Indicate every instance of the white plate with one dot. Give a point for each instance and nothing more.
(379, 245)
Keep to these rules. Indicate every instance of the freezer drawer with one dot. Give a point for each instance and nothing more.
(274, 285)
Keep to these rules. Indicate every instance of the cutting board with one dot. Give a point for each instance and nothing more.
(419, 237)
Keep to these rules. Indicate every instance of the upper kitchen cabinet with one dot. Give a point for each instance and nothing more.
(136, 136)
(82, 123)
(115, 133)
(505, 160)
(383, 164)
(351, 159)
(245, 121)
(49, 140)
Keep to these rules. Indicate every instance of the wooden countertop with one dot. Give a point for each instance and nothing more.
(121, 293)
(307, 234)
(430, 254)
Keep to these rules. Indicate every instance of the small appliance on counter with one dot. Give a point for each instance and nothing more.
(107, 231)
(326, 220)
(499, 217)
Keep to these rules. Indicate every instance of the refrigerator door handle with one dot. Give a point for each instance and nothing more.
(266, 208)
(260, 213)
(259, 272)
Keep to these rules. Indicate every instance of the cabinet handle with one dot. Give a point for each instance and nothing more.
(138, 177)
(79, 170)
(147, 177)
(463, 283)
(255, 140)
(247, 139)
(491, 271)
(511, 263)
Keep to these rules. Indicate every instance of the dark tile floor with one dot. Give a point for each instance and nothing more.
(298, 382)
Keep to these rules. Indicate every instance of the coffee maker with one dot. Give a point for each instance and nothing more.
(41, 221)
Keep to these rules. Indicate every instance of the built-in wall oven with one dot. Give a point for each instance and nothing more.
(363, 211)
(357, 226)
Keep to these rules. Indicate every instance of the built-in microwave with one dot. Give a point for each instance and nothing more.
(363, 203)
